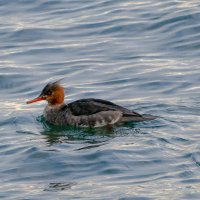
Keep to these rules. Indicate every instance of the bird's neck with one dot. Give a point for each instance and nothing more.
(55, 103)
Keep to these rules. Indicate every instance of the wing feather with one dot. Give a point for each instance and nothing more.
(93, 106)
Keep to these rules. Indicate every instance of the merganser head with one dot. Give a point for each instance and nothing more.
(53, 93)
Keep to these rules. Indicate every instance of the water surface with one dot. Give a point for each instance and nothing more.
(143, 55)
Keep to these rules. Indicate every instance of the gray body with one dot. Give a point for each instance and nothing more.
(90, 113)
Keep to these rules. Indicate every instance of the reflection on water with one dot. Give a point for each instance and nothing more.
(53, 187)
(61, 134)
(96, 136)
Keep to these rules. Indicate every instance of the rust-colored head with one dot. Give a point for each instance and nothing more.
(53, 93)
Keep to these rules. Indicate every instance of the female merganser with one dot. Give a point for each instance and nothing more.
(83, 112)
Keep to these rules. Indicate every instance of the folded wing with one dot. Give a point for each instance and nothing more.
(93, 106)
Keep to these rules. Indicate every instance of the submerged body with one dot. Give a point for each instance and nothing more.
(84, 112)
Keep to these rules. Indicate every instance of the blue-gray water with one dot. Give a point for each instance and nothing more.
(141, 54)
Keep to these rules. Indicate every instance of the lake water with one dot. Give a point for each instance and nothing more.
(143, 55)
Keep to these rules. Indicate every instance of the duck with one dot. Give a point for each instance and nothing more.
(89, 112)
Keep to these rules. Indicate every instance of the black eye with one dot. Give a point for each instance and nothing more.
(48, 93)
(47, 90)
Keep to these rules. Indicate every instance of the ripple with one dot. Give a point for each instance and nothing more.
(143, 55)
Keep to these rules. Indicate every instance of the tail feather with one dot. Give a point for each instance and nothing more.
(138, 118)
